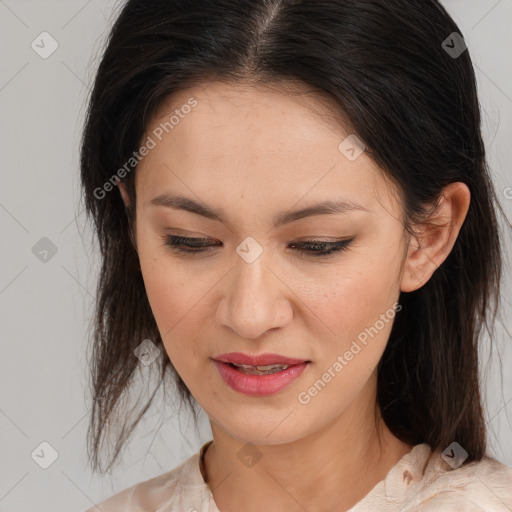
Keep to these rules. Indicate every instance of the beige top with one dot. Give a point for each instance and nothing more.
(420, 481)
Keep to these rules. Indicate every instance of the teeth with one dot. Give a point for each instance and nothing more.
(271, 366)
(260, 370)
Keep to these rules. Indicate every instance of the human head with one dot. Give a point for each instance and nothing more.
(422, 134)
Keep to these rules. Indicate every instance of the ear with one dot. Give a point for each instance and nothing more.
(435, 239)
(124, 193)
(126, 201)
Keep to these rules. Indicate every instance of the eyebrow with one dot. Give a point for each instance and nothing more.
(179, 202)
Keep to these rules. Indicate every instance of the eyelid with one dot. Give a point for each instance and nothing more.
(203, 245)
(305, 239)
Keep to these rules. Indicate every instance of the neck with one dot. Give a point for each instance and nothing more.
(330, 469)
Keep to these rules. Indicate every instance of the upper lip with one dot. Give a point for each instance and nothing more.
(258, 360)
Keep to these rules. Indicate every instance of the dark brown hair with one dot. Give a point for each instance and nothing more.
(412, 103)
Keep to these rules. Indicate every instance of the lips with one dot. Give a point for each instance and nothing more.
(258, 360)
(259, 375)
(254, 382)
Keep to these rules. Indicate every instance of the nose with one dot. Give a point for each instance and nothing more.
(254, 300)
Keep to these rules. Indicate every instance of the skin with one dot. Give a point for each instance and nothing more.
(253, 153)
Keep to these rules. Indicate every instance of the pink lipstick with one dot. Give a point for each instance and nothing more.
(259, 375)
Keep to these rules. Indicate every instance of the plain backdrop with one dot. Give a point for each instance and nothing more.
(48, 267)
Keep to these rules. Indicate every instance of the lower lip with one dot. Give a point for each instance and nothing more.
(259, 385)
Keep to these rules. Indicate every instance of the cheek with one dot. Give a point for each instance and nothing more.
(352, 300)
(357, 306)
(176, 306)
(173, 299)
(358, 309)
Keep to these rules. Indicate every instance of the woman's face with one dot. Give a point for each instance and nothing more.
(255, 156)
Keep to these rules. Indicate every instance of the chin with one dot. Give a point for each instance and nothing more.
(251, 428)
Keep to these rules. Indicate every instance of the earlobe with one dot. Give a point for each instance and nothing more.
(416, 265)
(434, 239)
(413, 264)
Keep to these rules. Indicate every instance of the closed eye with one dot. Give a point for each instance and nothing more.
(317, 248)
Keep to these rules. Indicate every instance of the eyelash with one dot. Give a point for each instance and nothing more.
(330, 248)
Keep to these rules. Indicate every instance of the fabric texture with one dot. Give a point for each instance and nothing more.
(421, 481)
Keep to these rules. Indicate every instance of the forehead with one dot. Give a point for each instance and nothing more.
(255, 141)
(284, 101)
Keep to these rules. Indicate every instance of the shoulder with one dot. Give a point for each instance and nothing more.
(484, 485)
(141, 497)
(183, 484)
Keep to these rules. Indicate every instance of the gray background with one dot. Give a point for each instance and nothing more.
(45, 307)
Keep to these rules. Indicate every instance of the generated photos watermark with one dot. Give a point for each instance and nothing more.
(150, 143)
(304, 397)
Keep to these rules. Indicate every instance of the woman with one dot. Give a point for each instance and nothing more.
(298, 226)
